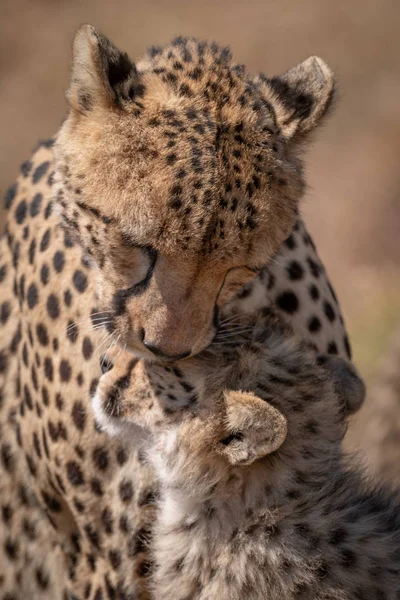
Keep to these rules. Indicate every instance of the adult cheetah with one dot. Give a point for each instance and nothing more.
(168, 202)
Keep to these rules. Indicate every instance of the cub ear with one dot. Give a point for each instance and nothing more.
(302, 96)
(254, 428)
(101, 74)
(347, 383)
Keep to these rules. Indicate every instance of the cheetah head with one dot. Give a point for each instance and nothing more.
(180, 176)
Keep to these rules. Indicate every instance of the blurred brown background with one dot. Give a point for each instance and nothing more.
(353, 204)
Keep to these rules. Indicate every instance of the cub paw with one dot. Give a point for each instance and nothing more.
(116, 366)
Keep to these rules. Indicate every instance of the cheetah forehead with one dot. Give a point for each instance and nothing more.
(185, 145)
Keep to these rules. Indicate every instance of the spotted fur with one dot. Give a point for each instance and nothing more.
(257, 499)
(91, 499)
(180, 176)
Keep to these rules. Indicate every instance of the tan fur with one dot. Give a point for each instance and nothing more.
(257, 499)
(52, 335)
(191, 157)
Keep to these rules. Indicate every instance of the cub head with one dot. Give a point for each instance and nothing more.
(136, 399)
(269, 394)
(180, 176)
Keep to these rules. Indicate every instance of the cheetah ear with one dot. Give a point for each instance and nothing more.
(347, 383)
(302, 96)
(254, 428)
(101, 75)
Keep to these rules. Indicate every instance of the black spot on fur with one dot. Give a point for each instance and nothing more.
(96, 487)
(74, 473)
(154, 51)
(126, 491)
(68, 241)
(122, 456)
(32, 296)
(48, 368)
(58, 261)
(288, 302)
(65, 371)
(115, 558)
(315, 269)
(100, 458)
(314, 325)
(42, 578)
(36, 204)
(7, 457)
(107, 521)
(171, 159)
(20, 212)
(80, 281)
(40, 171)
(79, 415)
(26, 168)
(51, 502)
(5, 311)
(16, 254)
(295, 271)
(85, 100)
(3, 273)
(44, 274)
(46, 143)
(87, 348)
(10, 195)
(332, 348)
(44, 244)
(45, 396)
(68, 297)
(42, 335)
(36, 445)
(3, 361)
(53, 306)
(329, 312)
(32, 251)
(11, 548)
(314, 292)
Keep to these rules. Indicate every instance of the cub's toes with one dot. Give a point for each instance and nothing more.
(108, 359)
(106, 364)
(116, 359)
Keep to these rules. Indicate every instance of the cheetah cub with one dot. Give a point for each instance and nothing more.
(257, 500)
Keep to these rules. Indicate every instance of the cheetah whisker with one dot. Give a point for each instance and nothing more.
(88, 319)
(229, 320)
(105, 341)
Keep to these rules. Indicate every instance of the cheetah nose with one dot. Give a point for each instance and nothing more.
(105, 364)
(157, 352)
